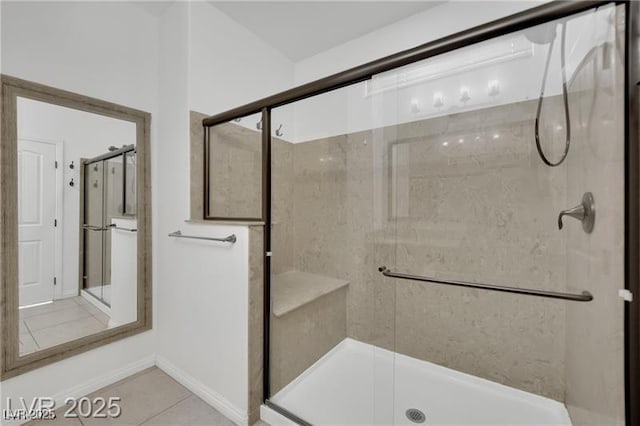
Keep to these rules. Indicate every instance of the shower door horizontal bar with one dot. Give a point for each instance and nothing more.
(111, 154)
(230, 239)
(94, 228)
(516, 22)
(112, 226)
(585, 296)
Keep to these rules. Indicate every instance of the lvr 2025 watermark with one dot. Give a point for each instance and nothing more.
(39, 408)
(44, 408)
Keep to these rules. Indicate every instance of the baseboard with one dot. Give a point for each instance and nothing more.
(95, 302)
(205, 393)
(272, 417)
(94, 384)
(104, 380)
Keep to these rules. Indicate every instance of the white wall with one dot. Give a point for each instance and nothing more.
(108, 50)
(120, 53)
(203, 329)
(124, 273)
(229, 65)
(433, 23)
(105, 50)
(224, 74)
(348, 110)
(202, 286)
(83, 135)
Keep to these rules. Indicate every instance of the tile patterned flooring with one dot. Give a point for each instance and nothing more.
(59, 322)
(148, 398)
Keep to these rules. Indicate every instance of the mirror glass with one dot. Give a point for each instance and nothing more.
(77, 227)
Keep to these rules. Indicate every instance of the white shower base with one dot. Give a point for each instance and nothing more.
(360, 384)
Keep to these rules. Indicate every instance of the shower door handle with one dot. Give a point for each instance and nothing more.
(94, 228)
(584, 212)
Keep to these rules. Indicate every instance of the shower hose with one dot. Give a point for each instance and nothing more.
(565, 99)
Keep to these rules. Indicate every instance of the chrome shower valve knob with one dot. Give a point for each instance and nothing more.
(584, 212)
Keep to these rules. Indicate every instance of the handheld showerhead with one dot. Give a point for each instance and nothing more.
(542, 34)
(546, 35)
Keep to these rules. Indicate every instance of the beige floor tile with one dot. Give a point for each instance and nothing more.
(66, 332)
(142, 397)
(193, 412)
(102, 317)
(23, 329)
(98, 314)
(81, 301)
(48, 308)
(108, 388)
(60, 420)
(27, 344)
(51, 319)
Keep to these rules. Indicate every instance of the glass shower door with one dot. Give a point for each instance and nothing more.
(104, 187)
(473, 199)
(113, 208)
(433, 260)
(331, 326)
(93, 228)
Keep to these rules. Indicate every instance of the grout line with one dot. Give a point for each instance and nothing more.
(59, 324)
(98, 311)
(62, 308)
(65, 322)
(96, 316)
(31, 334)
(124, 380)
(100, 321)
(166, 409)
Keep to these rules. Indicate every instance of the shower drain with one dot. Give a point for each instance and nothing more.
(415, 415)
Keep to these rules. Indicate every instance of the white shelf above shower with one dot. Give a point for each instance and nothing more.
(293, 289)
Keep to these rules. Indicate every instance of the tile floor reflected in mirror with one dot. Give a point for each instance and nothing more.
(60, 321)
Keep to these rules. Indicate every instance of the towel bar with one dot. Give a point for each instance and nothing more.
(230, 239)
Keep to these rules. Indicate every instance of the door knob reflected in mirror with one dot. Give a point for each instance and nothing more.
(584, 212)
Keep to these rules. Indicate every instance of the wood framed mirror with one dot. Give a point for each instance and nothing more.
(75, 236)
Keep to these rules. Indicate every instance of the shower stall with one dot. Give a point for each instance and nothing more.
(451, 232)
(108, 188)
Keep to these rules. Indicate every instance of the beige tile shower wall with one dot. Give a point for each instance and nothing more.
(236, 171)
(282, 206)
(301, 337)
(235, 179)
(481, 211)
(196, 165)
(333, 218)
(255, 333)
(595, 331)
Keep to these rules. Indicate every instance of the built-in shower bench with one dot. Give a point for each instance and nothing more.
(293, 289)
(309, 317)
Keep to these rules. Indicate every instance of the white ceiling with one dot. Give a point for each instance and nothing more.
(301, 29)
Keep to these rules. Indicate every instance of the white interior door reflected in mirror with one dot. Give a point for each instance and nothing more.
(37, 200)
